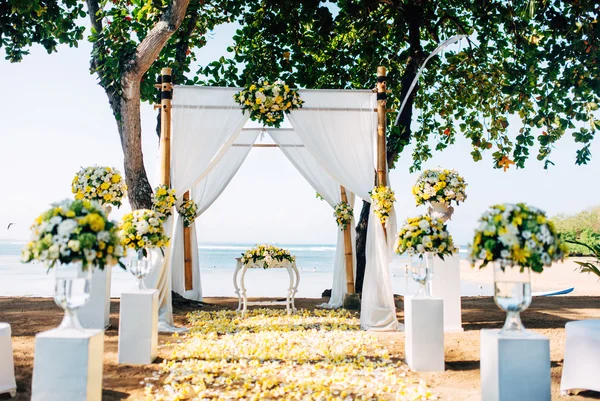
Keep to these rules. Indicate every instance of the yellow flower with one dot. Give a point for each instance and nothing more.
(79, 196)
(258, 100)
(105, 185)
(107, 197)
(70, 214)
(116, 178)
(96, 222)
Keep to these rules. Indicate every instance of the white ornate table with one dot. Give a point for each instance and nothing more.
(240, 287)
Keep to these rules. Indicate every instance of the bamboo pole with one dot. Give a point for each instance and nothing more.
(166, 94)
(348, 250)
(381, 126)
(187, 252)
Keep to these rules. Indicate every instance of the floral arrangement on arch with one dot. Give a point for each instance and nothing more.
(163, 201)
(423, 234)
(267, 255)
(74, 231)
(516, 235)
(188, 209)
(383, 200)
(267, 102)
(142, 229)
(104, 185)
(343, 214)
(440, 185)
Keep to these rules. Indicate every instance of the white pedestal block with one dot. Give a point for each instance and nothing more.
(581, 368)
(68, 365)
(138, 327)
(446, 285)
(514, 368)
(424, 333)
(95, 314)
(7, 367)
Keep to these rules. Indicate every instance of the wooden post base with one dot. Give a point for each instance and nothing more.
(351, 301)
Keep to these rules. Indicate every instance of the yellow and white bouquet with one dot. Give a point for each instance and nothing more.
(142, 229)
(163, 201)
(189, 211)
(268, 255)
(516, 235)
(343, 214)
(104, 185)
(267, 102)
(74, 231)
(383, 200)
(423, 234)
(440, 185)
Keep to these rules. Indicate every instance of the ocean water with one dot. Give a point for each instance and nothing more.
(217, 263)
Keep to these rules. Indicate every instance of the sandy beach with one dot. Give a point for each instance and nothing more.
(460, 381)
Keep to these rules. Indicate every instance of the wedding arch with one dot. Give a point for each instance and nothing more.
(337, 142)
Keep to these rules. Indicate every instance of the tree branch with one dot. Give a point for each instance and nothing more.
(93, 9)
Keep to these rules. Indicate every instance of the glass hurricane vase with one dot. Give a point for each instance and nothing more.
(422, 272)
(440, 210)
(140, 266)
(72, 290)
(512, 293)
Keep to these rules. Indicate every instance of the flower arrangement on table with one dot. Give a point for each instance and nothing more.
(267, 102)
(142, 229)
(163, 201)
(383, 199)
(343, 214)
(74, 231)
(104, 185)
(268, 256)
(516, 235)
(440, 185)
(423, 234)
(188, 209)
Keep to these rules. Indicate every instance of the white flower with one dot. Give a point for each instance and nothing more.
(66, 227)
(90, 254)
(74, 245)
(424, 224)
(531, 244)
(104, 236)
(53, 251)
(546, 259)
(426, 239)
(545, 235)
(526, 234)
(153, 222)
(420, 248)
(505, 253)
(142, 227)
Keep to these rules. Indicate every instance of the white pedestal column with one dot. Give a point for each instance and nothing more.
(7, 367)
(424, 333)
(138, 327)
(446, 285)
(514, 368)
(95, 314)
(68, 365)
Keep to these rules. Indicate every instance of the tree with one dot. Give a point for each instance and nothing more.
(132, 40)
(536, 61)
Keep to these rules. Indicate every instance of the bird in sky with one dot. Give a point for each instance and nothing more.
(9, 225)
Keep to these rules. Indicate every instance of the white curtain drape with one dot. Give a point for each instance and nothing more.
(322, 182)
(339, 129)
(205, 193)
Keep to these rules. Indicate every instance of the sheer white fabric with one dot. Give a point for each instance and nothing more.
(205, 193)
(322, 182)
(339, 129)
(206, 121)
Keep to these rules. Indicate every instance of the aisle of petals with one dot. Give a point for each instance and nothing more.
(311, 355)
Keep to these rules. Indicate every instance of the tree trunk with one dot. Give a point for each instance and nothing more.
(130, 130)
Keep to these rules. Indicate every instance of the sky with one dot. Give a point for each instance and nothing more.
(55, 119)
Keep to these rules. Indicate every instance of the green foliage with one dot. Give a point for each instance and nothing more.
(589, 267)
(46, 22)
(536, 61)
(581, 231)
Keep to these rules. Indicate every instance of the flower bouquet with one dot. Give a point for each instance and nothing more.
(72, 237)
(424, 237)
(142, 230)
(516, 239)
(189, 211)
(163, 201)
(104, 185)
(343, 214)
(267, 102)
(383, 201)
(439, 188)
(268, 256)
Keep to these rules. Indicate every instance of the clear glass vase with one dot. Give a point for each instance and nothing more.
(422, 272)
(512, 293)
(440, 210)
(140, 266)
(72, 290)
